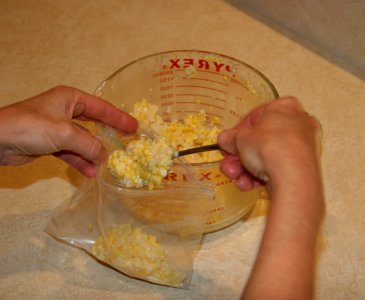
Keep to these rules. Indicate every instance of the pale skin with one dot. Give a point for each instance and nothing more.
(43, 125)
(274, 145)
(277, 144)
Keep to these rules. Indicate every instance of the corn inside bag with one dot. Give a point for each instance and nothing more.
(147, 234)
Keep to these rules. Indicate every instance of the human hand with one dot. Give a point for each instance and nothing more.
(43, 125)
(277, 143)
(276, 140)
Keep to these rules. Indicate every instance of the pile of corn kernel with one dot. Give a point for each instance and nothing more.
(144, 162)
(147, 161)
(192, 131)
(136, 253)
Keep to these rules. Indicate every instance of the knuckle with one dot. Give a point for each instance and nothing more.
(288, 106)
(316, 125)
(60, 89)
(64, 90)
(66, 133)
(95, 148)
(288, 102)
(100, 152)
(78, 140)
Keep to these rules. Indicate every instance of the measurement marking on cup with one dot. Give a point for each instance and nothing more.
(205, 176)
(214, 115)
(201, 87)
(197, 111)
(200, 95)
(200, 70)
(216, 209)
(225, 76)
(201, 103)
(204, 79)
(189, 111)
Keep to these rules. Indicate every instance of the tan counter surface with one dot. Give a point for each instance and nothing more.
(80, 43)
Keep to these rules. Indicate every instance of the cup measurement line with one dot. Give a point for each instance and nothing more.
(205, 79)
(215, 73)
(215, 115)
(200, 95)
(197, 111)
(205, 71)
(225, 76)
(201, 103)
(201, 87)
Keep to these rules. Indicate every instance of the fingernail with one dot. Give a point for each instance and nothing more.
(263, 177)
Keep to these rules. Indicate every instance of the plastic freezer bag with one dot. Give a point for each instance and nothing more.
(147, 234)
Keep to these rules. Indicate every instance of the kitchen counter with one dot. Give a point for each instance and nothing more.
(80, 43)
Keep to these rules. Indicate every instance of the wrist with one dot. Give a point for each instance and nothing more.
(8, 135)
(3, 126)
(298, 196)
(295, 182)
(4, 140)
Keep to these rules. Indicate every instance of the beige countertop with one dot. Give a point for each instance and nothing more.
(80, 43)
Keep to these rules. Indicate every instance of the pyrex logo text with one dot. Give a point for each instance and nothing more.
(200, 64)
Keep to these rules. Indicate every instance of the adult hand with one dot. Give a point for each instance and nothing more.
(277, 143)
(43, 125)
(275, 139)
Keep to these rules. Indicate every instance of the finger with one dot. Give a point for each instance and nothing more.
(227, 141)
(286, 105)
(252, 117)
(100, 110)
(83, 106)
(231, 166)
(83, 166)
(257, 183)
(316, 125)
(78, 140)
(288, 101)
(245, 183)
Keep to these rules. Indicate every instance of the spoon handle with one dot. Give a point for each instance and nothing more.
(195, 150)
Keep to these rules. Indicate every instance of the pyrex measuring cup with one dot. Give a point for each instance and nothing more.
(187, 81)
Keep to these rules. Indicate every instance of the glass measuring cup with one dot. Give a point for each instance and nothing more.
(186, 81)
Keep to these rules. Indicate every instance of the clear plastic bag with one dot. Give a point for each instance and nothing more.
(147, 234)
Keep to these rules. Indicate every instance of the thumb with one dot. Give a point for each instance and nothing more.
(227, 141)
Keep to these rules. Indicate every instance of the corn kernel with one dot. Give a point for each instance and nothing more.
(136, 253)
(146, 162)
